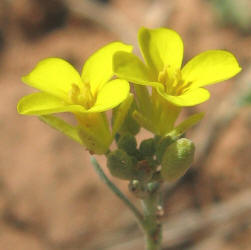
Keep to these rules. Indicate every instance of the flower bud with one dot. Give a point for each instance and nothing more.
(144, 170)
(128, 143)
(177, 159)
(162, 145)
(147, 147)
(121, 165)
(136, 188)
(129, 125)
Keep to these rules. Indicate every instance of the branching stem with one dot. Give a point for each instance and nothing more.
(117, 192)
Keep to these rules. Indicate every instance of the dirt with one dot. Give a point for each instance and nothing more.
(51, 198)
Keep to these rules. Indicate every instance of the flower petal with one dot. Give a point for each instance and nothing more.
(129, 67)
(210, 67)
(161, 48)
(97, 69)
(111, 95)
(189, 98)
(43, 104)
(54, 76)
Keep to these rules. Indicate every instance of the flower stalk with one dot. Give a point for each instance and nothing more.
(117, 192)
(152, 224)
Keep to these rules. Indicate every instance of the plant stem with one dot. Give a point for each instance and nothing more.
(152, 225)
(117, 192)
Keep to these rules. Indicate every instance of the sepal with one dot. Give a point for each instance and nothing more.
(185, 125)
(123, 122)
(94, 132)
(61, 126)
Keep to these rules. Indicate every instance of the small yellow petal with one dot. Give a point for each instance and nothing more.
(97, 70)
(43, 104)
(189, 98)
(127, 66)
(111, 95)
(210, 67)
(162, 48)
(54, 76)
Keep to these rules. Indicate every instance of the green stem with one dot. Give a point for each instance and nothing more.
(117, 192)
(152, 225)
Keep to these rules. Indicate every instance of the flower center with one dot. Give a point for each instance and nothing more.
(173, 82)
(83, 96)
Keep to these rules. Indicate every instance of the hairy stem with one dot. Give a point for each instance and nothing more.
(117, 192)
(152, 225)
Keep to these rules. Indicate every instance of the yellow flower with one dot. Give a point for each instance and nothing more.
(162, 50)
(87, 95)
(173, 86)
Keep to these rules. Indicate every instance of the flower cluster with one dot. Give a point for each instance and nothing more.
(161, 87)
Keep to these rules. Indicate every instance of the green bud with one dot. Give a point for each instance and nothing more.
(121, 165)
(147, 147)
(128, 143)
(177, 159)
(144, 170)
(119, 115)
(139, 190)
(130, 125)
(162, 145)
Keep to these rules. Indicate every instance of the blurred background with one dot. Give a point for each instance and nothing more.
(50, 196)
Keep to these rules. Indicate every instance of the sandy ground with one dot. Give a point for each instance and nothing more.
(50, 196)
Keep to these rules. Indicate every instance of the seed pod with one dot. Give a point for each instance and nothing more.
(177, 159)
(121, 165)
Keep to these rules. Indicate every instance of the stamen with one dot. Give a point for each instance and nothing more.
(83, 96)
(173, 83)
(74, 93)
